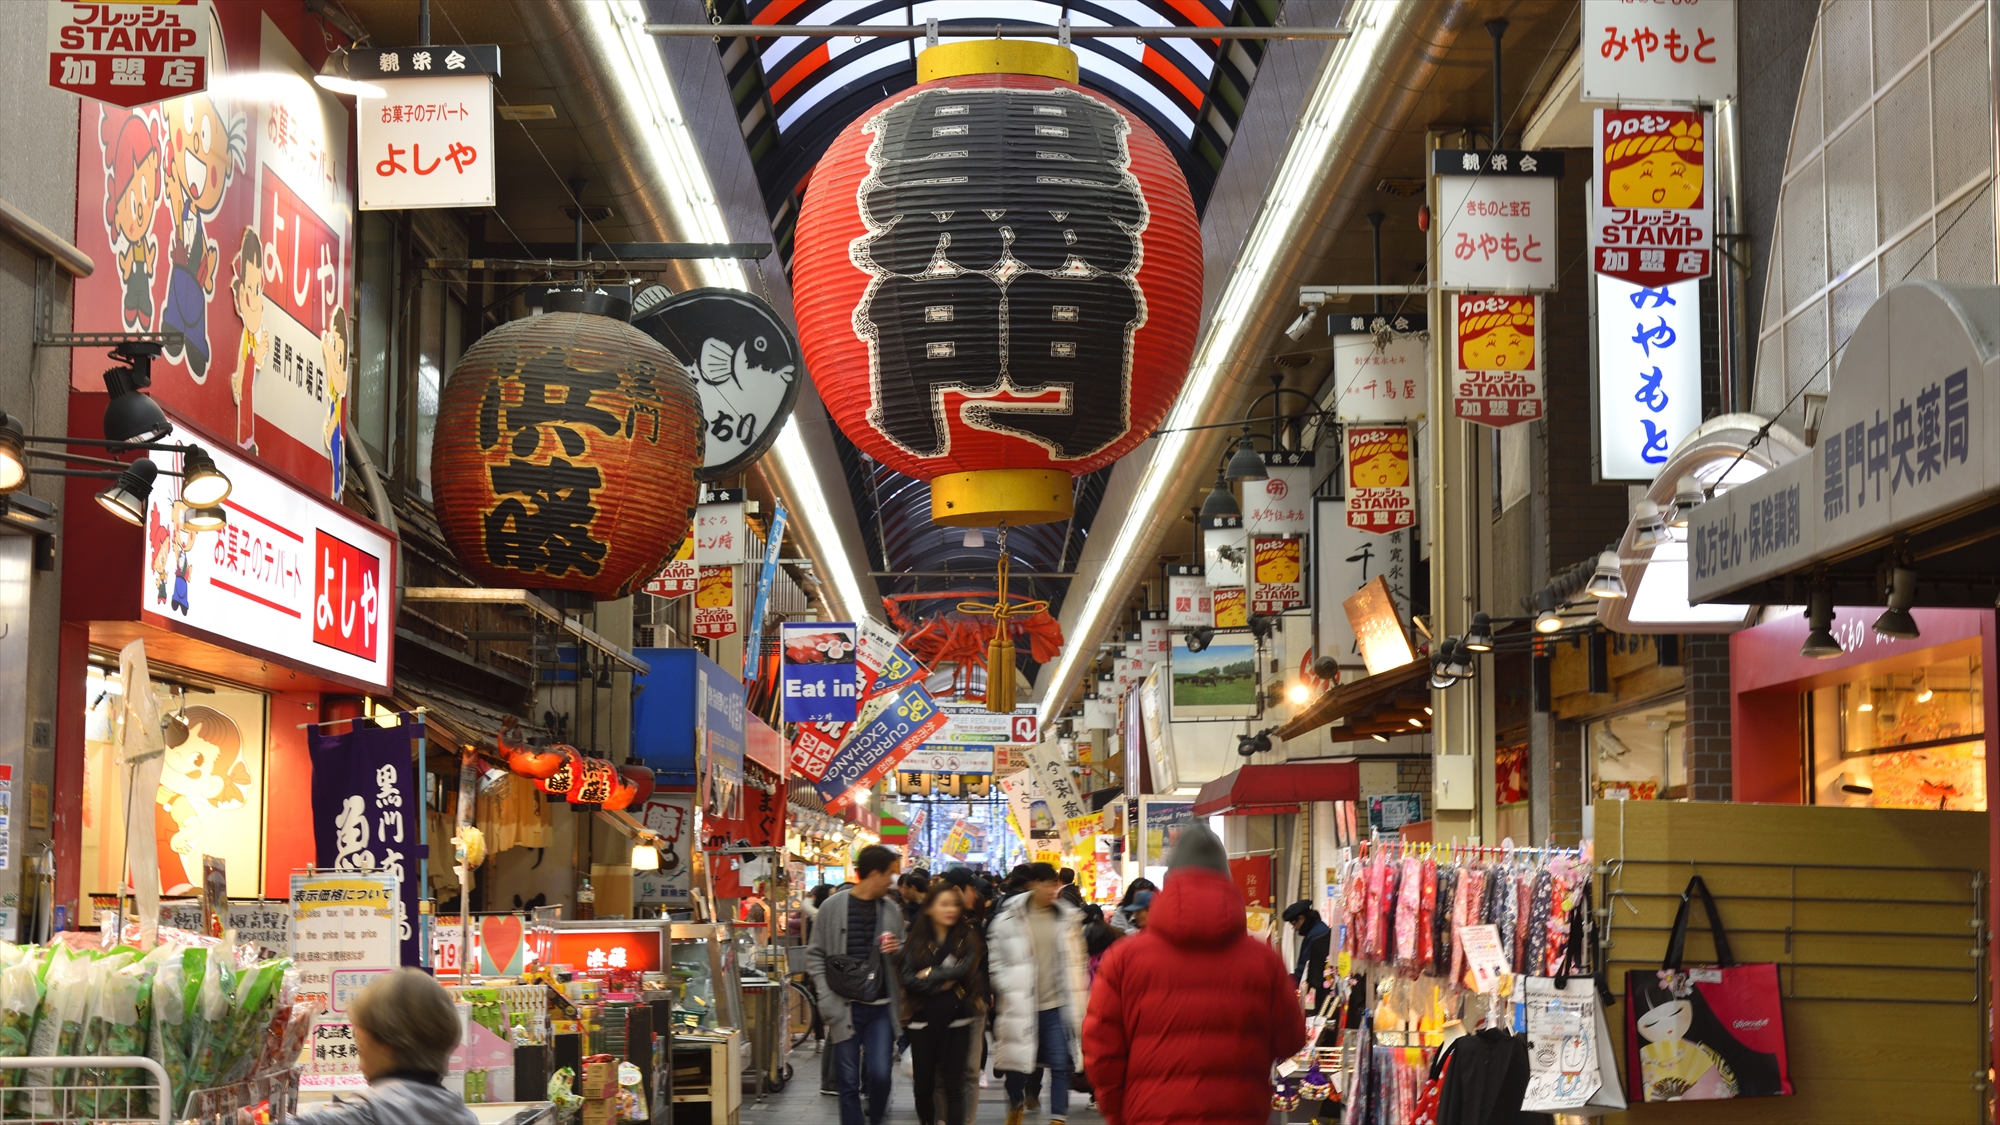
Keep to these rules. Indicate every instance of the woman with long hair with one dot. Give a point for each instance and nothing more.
(944, 990)
(1121, 918)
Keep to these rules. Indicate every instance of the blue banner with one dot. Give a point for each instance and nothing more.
(906, 718)
(368, 811)
(725, 702)
(822, 682)
(753, 641)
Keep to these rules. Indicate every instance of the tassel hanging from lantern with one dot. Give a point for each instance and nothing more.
(1000, 650)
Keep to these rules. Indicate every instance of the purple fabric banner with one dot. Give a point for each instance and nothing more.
(368, 810)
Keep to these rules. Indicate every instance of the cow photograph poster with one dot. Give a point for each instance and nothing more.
(1217, 682)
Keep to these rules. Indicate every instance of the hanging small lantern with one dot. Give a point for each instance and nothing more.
(596, 778)
(565, 455)
(999, 280)
(635, 784)
(565, 777)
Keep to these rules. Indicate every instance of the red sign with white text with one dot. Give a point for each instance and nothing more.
(590, 951)
(348, 603)
(129, 54)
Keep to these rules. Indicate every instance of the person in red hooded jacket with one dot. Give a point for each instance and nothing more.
(1187, 1018)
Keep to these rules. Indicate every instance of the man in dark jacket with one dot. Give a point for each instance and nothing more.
(1069, 893)
(863, 923)
(1315, 939)
(1187, 1017)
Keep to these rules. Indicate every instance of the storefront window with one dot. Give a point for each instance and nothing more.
(1902, 740)
(376, 297)
(1640, 755)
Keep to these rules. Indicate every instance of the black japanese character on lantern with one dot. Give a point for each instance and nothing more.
(1003, 238)
(544, 517)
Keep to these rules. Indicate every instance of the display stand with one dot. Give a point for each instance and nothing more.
(706, 1066)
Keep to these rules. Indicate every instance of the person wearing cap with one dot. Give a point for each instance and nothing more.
(1040, 981)
(1315, 939)
(1188, 1016)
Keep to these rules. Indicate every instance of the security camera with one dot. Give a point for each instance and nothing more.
(1297, 330)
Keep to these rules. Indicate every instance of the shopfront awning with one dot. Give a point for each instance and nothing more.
(1383, 704)
(1265, 790)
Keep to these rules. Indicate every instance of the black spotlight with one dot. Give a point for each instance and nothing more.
(1326, 668)
(1262, 625)
(131, 416)
(1259, 743)
(1198, 638)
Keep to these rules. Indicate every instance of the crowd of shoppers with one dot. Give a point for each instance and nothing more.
(1166, 1009)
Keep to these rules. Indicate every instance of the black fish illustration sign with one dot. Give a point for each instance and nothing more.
(746, 364)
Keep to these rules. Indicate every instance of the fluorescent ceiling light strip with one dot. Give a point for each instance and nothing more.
(1328, 117)
(620, 40)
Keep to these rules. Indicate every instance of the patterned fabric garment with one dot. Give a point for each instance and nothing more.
(1467, 911)
(1507, 911)
(1392, 880)
(1535, 955)
(1409, 900)
(1353, 906)
(1426, 909)
(1442, 938)
(1371, 921)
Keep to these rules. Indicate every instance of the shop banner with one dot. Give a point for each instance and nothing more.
(1650, 210)
(425, 141)
(1648, 375)
(973, 723)
(1382, 366)
(719, 535)
(1160, 824)
(822, 683)
(814, 746)
(885, 664)
(1281, 503)
(1224, 546)
(224, 215)
(1277, 573)
(1232, 607)
(132, 54)
(1380, 498)
(1054, 783)
(1344, 560)
(1680, 52)
(1498, 216)
(724, 705)
(762, 822)
(1153, 643)
(1498, 359)
(715, 603)
(679, 578)
(766, 574)
(763, 745)
(1033, 818)
(1188, 600)
(366, 802)
(899, 723)
(1127, 674)
(670, 816)
(949, 759)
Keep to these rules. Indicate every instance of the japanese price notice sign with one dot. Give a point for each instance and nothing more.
(291, 575)
(1499, 359)
(1380, 496)
(343, 933)
(1679, 52)
(1648, 375)
(1280, 504)
(821, 681)
(1188, 601)
(129, 54)
(1278, 574)
(1650, 207)
(1497, 219)
(1382, 366)
(425, 142)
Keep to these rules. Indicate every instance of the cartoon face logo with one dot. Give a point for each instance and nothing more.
(1498, 339)
(1381, 468)
(1655, 169)
(203, 144)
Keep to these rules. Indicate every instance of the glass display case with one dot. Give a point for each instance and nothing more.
(706, 976)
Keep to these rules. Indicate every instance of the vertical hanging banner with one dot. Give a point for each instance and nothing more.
(719, 538)
(678, 578)
(1277, 581)
(1381, 365)
(1650, 205)
(1648, 375)
(1497, 216)
(361, 821)
(1189, 602)
(899, 723)
(766, 574)
(1053, 782)
(1380, 498)
(1281, 503)
(715, 603)
(1346, 559)
(885, 664)
(821, 680)
(1225, 546)
(1499, 365)
(1154, 646)
(1682, 52)
(1034, 817)
(813, 748)
(1232, 608)
(425, 125)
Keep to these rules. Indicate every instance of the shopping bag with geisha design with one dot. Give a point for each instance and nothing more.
(1708, 1032)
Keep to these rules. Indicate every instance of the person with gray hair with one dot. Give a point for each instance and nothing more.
(405, 1029)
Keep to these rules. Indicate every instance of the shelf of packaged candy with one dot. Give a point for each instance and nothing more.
(1400, 986)
(216, 1017)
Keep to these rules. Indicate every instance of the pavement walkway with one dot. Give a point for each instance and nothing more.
(801, 1103)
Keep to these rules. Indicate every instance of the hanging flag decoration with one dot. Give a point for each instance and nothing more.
(1380, 497)
(1499, 380)
(999, 279)
(901, 721)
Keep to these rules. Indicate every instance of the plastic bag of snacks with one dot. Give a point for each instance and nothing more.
(249, 1016)
(59, 1022)
(166, 1042)
(208, 1020)
(562, 1093)
(20, 999)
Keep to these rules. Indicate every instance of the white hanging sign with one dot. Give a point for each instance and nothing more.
(1281, 503)
(1224, 545)
(1648, 375)
(1381, 365)
(1188, 600)
(1346, 559)
(1684, 51)
(1497, 216)
(426, 142)
(1497, 359)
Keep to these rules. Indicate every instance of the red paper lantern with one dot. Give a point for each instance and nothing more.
(565, 455)
(566, 775)
(635, 784)
(596, 779)
(998, 278)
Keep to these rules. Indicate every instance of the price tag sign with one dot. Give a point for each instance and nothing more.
(1484, 956)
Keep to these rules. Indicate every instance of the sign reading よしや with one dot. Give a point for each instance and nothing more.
(1380, 497)
(129, 54)
(1499, 367)
(1650, 211)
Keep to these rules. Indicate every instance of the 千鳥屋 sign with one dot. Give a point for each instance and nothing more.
(129, 54)
(821, 680)
(1497, 377)
(1497, 218)
(1380, 496)
(425, 141)
(290, 576)
(1648, 375)
(1381, 366)
(1649, 206)
(1344, 560)
(1679, 52)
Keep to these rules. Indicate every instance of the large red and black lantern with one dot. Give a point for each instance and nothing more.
(998, 279)
(565, 454)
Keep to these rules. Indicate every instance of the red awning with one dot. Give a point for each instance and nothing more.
(1264, 790)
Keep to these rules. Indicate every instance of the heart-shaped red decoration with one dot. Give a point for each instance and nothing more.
(500, 939)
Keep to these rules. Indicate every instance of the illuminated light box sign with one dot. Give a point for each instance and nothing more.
(636, 950)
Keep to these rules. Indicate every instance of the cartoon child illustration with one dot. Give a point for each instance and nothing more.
(333, 349)
(207, 150)
(180, 550)
(131, 196)
(159, 552)
(204, 774)
(1503, 340)
(246, 292)
(1690, 1055)
(1655, 169)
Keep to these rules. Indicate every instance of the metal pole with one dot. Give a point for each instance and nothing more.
(1375, 221)
(998, 30)
(424, 23)
(1498, 30)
